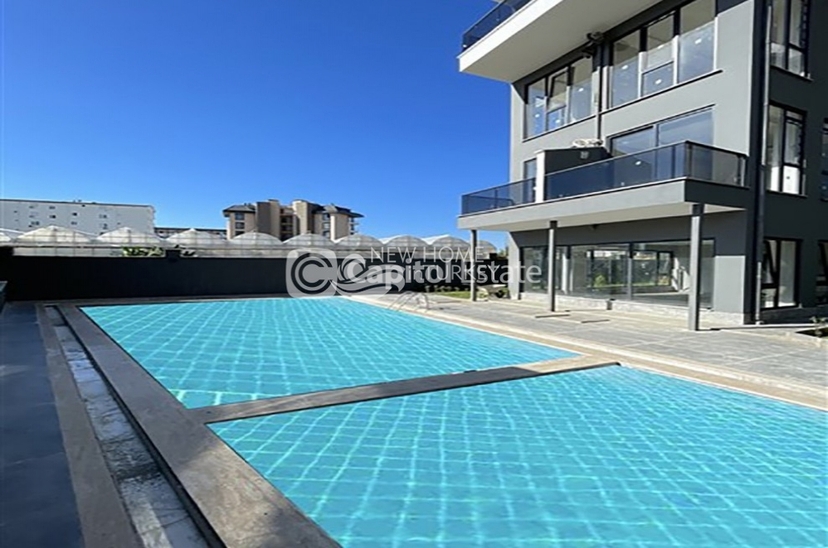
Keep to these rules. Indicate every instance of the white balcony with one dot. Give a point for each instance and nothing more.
(538, 33)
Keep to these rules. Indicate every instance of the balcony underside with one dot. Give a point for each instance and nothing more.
(542, 31)
(653, 201)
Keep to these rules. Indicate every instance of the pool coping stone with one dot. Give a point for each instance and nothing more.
(231, 503)
(103, 517)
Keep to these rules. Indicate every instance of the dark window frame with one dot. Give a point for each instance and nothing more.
(823, 191)
(526, 163)
(783, 146)
(655, 127)
(675, 45)
(822, 278)
(773, 270)
(788, 45)
(548, 79)
(544, 266)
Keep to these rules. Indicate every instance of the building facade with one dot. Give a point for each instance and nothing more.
(167, 231)
(286, 221)
(673, 154)
(88, 217)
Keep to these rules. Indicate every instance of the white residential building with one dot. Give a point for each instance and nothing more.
(89, 217)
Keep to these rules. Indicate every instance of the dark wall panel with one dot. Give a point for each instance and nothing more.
(47, 278)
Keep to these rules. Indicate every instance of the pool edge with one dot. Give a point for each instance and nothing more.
(232, 500)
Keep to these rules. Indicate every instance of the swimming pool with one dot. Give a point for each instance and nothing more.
(209, 353)
(609, 456)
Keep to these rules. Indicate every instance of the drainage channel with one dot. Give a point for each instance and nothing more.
(156, 512)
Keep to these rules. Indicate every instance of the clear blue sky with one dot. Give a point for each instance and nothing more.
(195, 105)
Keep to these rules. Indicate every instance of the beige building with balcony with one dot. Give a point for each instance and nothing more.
(285, 221)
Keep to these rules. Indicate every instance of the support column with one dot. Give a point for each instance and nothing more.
(566, 270)
(473, 266)
(630, 272)
(540, 177)
(694, 304)
(550, 279)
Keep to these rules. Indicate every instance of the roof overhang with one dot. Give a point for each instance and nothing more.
(541, 32)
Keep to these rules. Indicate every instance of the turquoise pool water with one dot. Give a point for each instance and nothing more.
(604, 457)
(209, 353)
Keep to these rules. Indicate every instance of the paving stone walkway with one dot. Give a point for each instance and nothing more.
(771, 352)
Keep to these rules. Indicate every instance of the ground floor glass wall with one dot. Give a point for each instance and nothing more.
(535, 262)
(650, 272)
(822, 274)
(780, 271)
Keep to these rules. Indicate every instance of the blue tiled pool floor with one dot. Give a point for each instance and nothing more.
(603, 457)
(210, 353)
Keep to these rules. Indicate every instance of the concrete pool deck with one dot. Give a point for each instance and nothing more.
(772, 361)
(254, 513)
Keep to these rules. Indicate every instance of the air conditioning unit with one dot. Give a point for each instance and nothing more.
(587, 143)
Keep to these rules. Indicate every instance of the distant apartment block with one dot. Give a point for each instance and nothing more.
(88, 217)
(667, 154)
(285, 221)
(167, 231)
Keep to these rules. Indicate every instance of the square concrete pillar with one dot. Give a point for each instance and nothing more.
(473, 266)
(694, 303)
(552, 265)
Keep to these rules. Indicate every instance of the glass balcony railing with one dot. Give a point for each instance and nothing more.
(522, 192)
(679, 161)
(491, 21)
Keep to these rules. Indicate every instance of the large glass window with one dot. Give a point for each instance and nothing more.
(696, 127)
(780, 271)
(657, 71)
(786, 132)
(661, 273)
(556, 104)
(625, 53)
(562, 98)
(643, 165)
(673, 49)
(580, 91)
(822, 274)
(599, 270)
(536, 108)
(789, 35)
(535, 261)
(697, 39)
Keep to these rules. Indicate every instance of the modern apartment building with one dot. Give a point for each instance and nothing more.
(286, 221)
(89, 217)
(673, 154)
